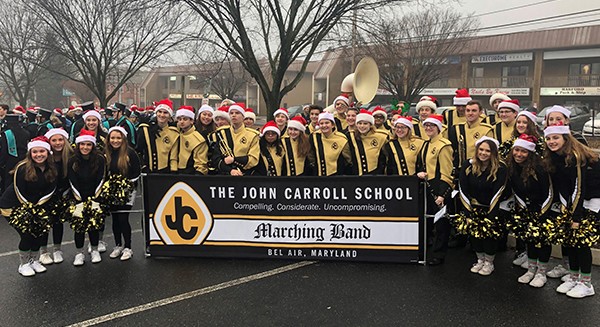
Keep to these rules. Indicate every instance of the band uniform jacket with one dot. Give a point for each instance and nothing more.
(463, 138)
(271, 163)
(155, 145)
(340, 123)
(402, 156)
(243, 144)
(419, 130)
(190, 153)
(13, 148)
(367, 155)
(503, 132)
(330, 155)
(435, 159)
(295, 165)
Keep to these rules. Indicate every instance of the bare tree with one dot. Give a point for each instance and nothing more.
(114, 39)
(281, 32)
(413, 51)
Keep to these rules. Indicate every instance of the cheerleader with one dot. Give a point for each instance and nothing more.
(403, 150)
(86, 176)
(561, 115)
(481, 183)
(272, 153)
(566, 160)
(330, 154)
(530, 184)
(121, 160)
(93, 122)
(205, 123)
(297, 148)
(365, 145)
(34, 183)
(61, 153)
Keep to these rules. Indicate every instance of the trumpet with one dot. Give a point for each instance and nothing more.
(462, 151)
(224, 147)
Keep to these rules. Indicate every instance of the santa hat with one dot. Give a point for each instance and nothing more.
(19, 110)
(204, 108)
(497, 96)
(510, 104)
(526, 141)
(487, 138)
(57, 112)
(436, 120)
(39, 142)
(326, 116)
(528, 114)
(185, 111)
(281, 111)
(404, 121)
(270, 126)
(430, 98)
(462, 97)
(379, 111)
(56, 131)
(222, 112)
(365, 115)
(560, 109)
(134, 107)
(86, 136)
(118, 128)
(558, 128)
(342, 97)
(249, 113)
(166, 105)
(92, 113)
(298, 123)
(236, 106)
(426, 103)
(71, 108)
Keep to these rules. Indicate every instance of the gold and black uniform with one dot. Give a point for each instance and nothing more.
(295, 165)
(402, 156)
(330, 155)
(435, 159)
(463, 138)
(311, 129)
(452, 118)
(242, 144)
(340, 123)
(191, 153)
(367, 155)
(155, 145)
(503, 132)
(419, 130)
(271, 163)
(491, 119)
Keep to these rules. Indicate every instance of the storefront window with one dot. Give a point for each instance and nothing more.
(515, 76)
(587, 74)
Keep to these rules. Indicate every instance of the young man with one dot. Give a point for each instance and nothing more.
(249, 118)
(495, 100)
(457, 115)
(313, 122)
(122, 117)
(425, 107)
(341, 104)
(156, 140)
(507, 112)
(191, 151)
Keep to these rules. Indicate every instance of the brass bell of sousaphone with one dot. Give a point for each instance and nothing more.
(364, 82)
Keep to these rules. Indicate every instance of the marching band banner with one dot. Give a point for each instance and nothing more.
(370, 218)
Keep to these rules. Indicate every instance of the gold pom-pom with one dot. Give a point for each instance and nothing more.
(30, 219)
(116, 190)
(478, 224)
(586, 235)
(91, 218)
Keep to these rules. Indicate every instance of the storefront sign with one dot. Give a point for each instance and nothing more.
(506, 57)
(194, 96)
(438, 91)
(175, 96)
(570, 91)
(346, 218)
(507, 91)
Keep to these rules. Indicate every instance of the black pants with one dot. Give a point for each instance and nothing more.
(28, 242)
(488, 246)
(80, 238)
(580, 259)
(57, 234)
(121, 227)
(542, 254)
(440, 231)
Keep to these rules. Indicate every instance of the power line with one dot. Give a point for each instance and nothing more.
(514, 8)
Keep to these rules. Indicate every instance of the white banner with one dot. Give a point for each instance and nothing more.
(507, 91)
(502, 57)
(578, 91)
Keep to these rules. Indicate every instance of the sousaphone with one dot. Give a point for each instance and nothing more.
(363, 83)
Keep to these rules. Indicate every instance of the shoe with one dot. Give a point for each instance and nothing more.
(37, 266)
(487, 269)
(435, 261)
(127, 253)
(116, 252)
(79, 259)
(46, 258)
(520, 259)
(557, 272)
(581, 290)
(96, 257)
(477, 266)
(538, 281)
(102, 246)
(566, 286)
(26, 271)
(527, 277)
(525, 265)
(58, 256)
(566, 277)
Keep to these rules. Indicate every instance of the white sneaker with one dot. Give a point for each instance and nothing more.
(581, 290)
(520, 259)
(557, 272)
(538, 281)
(79, 259)
(527, 277)
(566, 277)
(37, 266)
(487, 269)
(525, 265)
(46, 258)
(116, 252)
(26, 271)
(477, 266)
(566, 286)
(58, 256)
(96, 257)
(127, 253)
(102, 246)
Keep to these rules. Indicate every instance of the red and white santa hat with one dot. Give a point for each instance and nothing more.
(497, 96)
(282, 111)
(326, 116)
(237, 106)
(86, 136)
(366, 116)
(526, 141)
(19, 110)
(558, 128)
(298, 123)
(58, 112)
(204, 108)
(185, 111)
(249, 113)
(270, 126)
(56, 131)
(222, 112)
(510, 104)
(39, 142)
(379, 111)
(117, 128)
(566, 112)
(462, 97)
(427, 102)
(342, 97)
(406, 121)
(487, 138)
(92, 113)
(436, 120)
(166, 105)
(528, 114)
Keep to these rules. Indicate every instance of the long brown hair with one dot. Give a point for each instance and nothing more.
(303, 145)
(574, 151)
(65, 155)
(477, 166)
(532, 161)
(50, 172)
(532, 129)
(123, 160)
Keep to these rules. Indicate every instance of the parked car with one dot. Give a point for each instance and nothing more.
(441, 110)
(579, 116)
(592, 126)
(295, 110)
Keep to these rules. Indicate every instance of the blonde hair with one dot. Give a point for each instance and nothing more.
(477, 166)
(123, 160)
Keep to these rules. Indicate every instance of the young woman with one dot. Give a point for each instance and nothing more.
(86, 175)
(366, 144)
(403, 149)
(121, 160)
(61, 153)
(313, 125)
(351, 120)
(34, 183)
(272, 153)
(297, 148)
(566, 160)
(205, 123)
(330, 152)
(93, 122)
(481, 183)
(281, 117)
(530, 183)
(221, 117)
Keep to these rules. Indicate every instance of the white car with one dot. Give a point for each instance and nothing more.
(592, 126)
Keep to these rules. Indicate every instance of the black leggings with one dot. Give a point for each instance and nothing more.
(29, 243)
(121, 227)
(580, 259)
(542, 254)
(57, 234)
(94, 236)
(487, 245)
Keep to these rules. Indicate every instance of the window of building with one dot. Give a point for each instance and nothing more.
(172, 82)
(515, 76)
(586, 74)
(477, 77)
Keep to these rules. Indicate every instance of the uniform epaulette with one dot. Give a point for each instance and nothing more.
(383, 133)
(485, 124)
(222, 128)
(445, 141)
(173, 128)
(143, 125)
(340, 134)
(253, 130)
